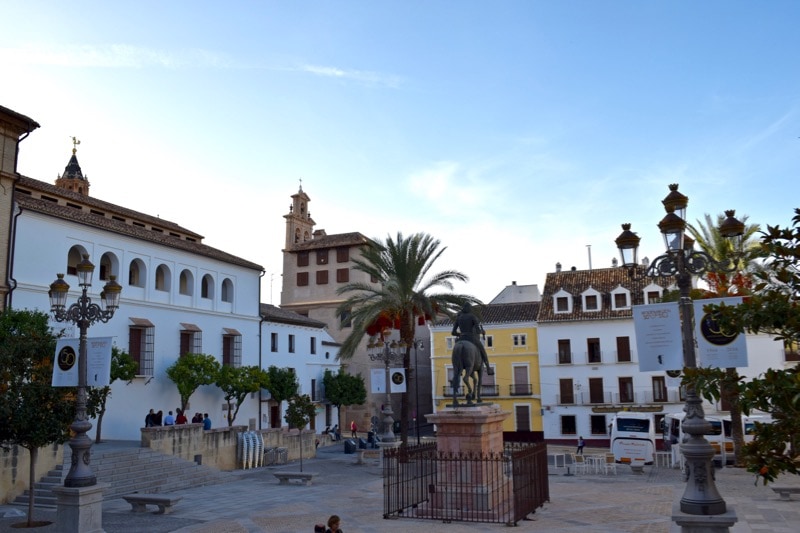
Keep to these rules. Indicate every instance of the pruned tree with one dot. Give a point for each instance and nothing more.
(123, 368)
(298, 413)
(33, 413)
(190, 372)
(343, 389)
(236, 383)
(283, 384)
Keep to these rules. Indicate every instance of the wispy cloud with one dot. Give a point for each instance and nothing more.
(769, 129)
(111, 56)
(360, 76)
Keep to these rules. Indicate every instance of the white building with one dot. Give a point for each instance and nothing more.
(588, 359)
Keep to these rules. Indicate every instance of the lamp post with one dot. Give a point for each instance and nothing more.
(388, 353)
(83, 313)
(682, 262)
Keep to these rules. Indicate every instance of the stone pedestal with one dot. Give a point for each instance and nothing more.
(692, 523)
(80, 509)
(473, 484)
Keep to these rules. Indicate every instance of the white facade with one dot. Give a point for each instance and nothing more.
(307, 349)
(43, 245)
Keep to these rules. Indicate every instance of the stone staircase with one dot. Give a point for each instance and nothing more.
(129, 469)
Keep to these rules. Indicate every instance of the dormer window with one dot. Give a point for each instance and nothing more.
(620, 298)
(562, 302)
(591, 300)
(653, 294)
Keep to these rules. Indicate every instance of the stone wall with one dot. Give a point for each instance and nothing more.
(217, 447)
(15, 468)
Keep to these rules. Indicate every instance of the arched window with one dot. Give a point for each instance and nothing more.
(74, 257)
(227, 290)
(163, 278)
(186, 283)
(207, 287)
(109, 266)
(297, 235)
(137, 273)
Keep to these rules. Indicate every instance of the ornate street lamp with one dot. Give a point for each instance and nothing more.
(388, 353)
(83, 313)
(682, 261)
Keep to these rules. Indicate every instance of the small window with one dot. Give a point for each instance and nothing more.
(302, 279)
(207, 287)
(227, 290)
(291, 343)
(620, 300)
(450, 342)
(141, 347)
(322, 277)
(162, 278)
(273, 342)
(519, 340)
(186, 283)
(564, 352)
(599, 426)
(488, 341)
(562, 304)
(342, 275)
(343, 254)
(302, 258)
(313, 346)
(345, 319)
(591, 302)
(191, 339)
(322, 257)
(653, 297)
(232, 349)
(568, 426)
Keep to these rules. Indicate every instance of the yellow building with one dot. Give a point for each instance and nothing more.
(512, 346)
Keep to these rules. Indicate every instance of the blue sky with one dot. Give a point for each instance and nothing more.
(516, 132)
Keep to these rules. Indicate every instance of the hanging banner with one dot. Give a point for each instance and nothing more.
(658, 336)
(397, 379)
(98, 362)
(377, 380)
(716, 349)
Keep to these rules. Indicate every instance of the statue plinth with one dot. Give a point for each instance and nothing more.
(471, 481)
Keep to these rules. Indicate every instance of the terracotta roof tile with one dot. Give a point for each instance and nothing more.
(502, 314)
(271, 313)
(603, 280)
(332, 241)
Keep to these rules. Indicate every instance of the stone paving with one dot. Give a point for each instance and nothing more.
(622, 503)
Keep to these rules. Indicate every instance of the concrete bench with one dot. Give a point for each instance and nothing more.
(786, 492)
(303, 477)
(139, 502)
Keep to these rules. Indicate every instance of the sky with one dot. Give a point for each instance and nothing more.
(520, 134)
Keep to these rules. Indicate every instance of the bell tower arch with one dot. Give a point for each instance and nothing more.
(299, 224)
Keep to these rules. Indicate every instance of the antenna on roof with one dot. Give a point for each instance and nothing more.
(589, 249)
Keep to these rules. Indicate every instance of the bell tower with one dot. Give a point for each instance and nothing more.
(299, 224)
(73, 179)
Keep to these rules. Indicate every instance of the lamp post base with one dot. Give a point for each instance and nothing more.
(693, 523)
(80, 508)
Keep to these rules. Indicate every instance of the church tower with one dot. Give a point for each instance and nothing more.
(299, 224)
(73, 179)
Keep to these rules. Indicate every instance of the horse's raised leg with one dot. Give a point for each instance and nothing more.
(468, 388)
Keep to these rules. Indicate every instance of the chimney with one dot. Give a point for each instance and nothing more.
(558, 267)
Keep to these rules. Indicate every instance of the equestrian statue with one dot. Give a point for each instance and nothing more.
(469, 356)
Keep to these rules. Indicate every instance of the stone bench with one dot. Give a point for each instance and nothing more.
(139, 502)
(303, 477)
(786, 492)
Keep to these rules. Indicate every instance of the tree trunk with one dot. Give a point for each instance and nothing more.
(31, 480)
(737, 428)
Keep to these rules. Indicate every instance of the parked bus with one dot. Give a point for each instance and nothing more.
(674, 434)
(633, 437)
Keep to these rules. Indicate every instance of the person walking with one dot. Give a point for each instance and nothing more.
(353, 429)
(581, 443)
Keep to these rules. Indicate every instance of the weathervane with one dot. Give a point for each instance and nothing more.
(75, 143)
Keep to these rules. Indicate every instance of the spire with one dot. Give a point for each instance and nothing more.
(73, 178)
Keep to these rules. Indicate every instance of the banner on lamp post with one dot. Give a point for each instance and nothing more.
(715, 348)
(377, 379)
(658, 336)
(98, 362)
(397, 379)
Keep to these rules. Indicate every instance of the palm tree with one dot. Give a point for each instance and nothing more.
(405, 290)
(744, 254)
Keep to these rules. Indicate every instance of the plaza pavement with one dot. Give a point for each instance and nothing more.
(626, 502)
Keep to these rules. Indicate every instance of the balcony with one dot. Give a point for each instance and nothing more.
(520, 389)
(486, 390)
(564, 358)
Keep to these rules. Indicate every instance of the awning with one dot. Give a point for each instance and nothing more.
(190, 327)
(141, 322)
(231, 331)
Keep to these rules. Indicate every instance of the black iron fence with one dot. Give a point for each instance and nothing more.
(421, 482)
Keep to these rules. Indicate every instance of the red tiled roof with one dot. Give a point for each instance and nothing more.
(603, 280)
(501, 313)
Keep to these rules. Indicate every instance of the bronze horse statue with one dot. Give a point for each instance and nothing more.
(467, 360)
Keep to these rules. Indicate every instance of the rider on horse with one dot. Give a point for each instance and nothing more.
(471, 330)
